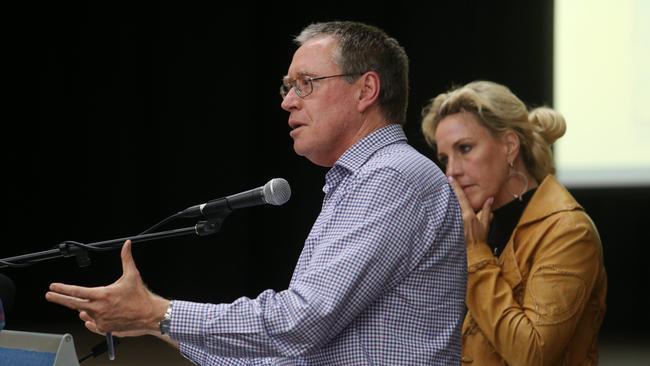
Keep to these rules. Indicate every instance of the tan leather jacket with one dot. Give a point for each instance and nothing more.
(543, 301)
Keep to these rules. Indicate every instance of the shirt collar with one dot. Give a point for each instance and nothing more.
(357, 155)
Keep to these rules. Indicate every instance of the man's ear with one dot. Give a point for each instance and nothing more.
(511, 145)
(369, 91)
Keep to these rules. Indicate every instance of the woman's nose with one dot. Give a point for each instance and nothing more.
(452, 168)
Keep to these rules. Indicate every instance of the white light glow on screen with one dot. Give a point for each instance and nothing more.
(602, 87)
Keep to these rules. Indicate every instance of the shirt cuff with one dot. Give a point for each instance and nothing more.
(478, 256)
(190, 321)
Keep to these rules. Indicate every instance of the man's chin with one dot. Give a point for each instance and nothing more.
(298, 149)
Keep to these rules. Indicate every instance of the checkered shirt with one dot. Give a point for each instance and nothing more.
(380, 280)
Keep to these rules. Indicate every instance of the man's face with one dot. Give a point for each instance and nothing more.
(323, 123)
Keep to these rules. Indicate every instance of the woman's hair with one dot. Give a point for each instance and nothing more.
(363, 48)
(499, 110)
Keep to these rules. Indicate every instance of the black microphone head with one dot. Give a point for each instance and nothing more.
(276, 192)
(7, 291)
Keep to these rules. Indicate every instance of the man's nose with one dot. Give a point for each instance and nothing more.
(290, 101)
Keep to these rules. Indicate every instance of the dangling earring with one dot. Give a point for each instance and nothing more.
(514, 172)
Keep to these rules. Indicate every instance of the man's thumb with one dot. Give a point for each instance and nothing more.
(128, 264)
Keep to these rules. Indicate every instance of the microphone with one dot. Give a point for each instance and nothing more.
(275, 192)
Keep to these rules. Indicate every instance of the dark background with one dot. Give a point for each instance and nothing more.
(119, 115)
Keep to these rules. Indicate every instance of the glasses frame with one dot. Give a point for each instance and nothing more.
(288, 84)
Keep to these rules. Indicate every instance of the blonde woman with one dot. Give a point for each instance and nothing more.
(536, 281)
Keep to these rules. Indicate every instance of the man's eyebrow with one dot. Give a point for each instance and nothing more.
(302, 73)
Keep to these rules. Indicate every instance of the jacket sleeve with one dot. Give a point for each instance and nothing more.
(536, 329)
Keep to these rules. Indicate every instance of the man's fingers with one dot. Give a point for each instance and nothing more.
(83, 315)
(89, 322)
(91, 326)
(74, 303)
(74, 291)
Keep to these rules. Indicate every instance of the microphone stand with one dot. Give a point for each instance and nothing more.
(80, 250)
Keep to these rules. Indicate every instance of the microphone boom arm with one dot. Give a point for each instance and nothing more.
(80, 250)
(275, 192)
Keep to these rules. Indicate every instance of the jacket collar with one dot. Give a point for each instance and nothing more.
(550, 197)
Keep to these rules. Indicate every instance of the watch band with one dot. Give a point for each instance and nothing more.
(166, 322)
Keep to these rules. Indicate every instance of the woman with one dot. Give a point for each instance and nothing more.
(536, 282)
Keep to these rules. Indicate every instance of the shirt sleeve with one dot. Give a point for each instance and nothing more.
(376, 234)
(199, 356)
(536, 329)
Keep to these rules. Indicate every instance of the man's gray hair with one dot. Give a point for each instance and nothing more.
(363, 48)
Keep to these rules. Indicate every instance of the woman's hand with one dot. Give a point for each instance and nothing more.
(476, 225)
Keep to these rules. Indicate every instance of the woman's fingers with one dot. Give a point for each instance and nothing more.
(462, 198)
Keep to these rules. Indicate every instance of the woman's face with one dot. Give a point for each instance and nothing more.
(476, 159)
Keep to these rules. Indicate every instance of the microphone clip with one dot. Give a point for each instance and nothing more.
(210, 226)
(69, 249)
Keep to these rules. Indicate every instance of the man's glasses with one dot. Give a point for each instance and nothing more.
(304, 85)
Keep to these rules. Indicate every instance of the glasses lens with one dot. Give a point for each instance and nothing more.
(303, 86)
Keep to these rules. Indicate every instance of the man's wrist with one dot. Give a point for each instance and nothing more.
(165, 324)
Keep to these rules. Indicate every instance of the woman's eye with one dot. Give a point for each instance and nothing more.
(442, 160)
(464, 148)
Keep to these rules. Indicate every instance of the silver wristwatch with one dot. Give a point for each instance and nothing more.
(166, 322)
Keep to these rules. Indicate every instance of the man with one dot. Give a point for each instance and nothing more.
(381, 278)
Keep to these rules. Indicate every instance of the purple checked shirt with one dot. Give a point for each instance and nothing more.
(380, 280)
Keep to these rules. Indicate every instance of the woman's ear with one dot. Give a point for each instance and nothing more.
(369, 91)
(511, 145)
